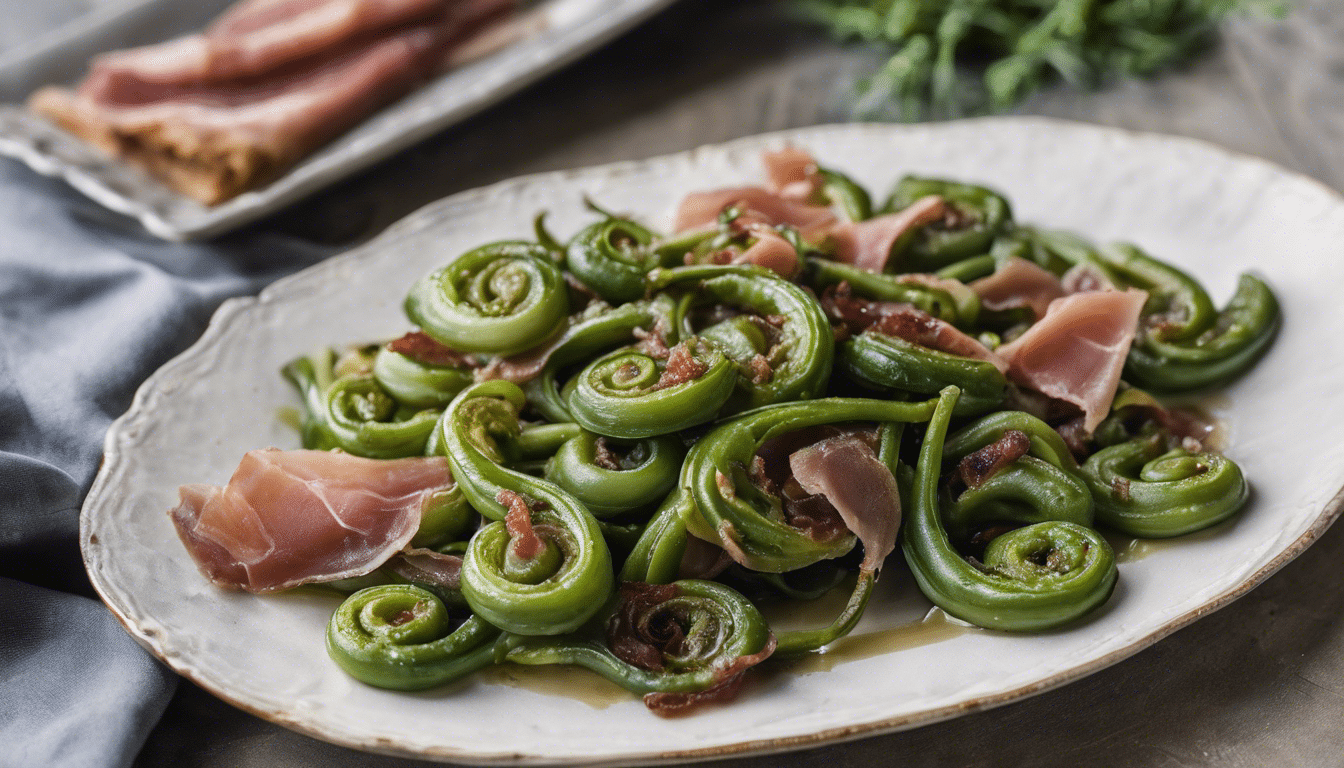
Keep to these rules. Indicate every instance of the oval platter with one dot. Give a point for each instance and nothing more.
(1206, 210)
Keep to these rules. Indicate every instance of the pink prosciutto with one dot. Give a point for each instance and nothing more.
(847, 472)
(1019, 283)
(770, 251)
(867, 244)
(1076, 352)
(792, 172)
(250, 39)
(220, 113)
(702, 209)
(295, 517)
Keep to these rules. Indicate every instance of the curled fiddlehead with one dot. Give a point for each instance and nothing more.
(500, 298)
(400, 636)
(596, 329)
(1015, 469)
(543, 566)
(840, 190)
(355, 414)
(723, 503)
(678, 644)
(1030, 578)
(612, 257)
(797, 365)
(976, 215)
(610, 482)
(1145, 490)
(633, 394)
(1241, 332)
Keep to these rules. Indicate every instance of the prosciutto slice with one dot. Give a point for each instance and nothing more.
(792, 172)
(771, 251)
(1019, 283)
(702, 209)
(296, 517)
(1076, 352)
(846, 471)
(219, 113)
(867, 244)
(252, 38)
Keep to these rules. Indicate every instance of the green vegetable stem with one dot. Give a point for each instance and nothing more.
(1031, 578)
(543, 566)
(1144, 490)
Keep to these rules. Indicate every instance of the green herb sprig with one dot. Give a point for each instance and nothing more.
(1013, 47)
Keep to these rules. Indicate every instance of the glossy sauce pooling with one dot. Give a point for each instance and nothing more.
(935, 627)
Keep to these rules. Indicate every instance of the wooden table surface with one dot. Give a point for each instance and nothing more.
(1259, 683)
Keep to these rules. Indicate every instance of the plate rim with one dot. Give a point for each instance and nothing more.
(232, 309)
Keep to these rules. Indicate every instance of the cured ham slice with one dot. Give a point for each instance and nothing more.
(847, 472)
(702, 209)
(250, 39)
(296, 517)
(219, 113)
(867, 244)
(1076, 352)
(771, 251)
(1019, 283)
(793, 173)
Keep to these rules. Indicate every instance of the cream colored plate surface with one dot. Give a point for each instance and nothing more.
(563, 30)
(1208, 211)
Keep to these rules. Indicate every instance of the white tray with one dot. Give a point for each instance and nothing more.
(571, 28)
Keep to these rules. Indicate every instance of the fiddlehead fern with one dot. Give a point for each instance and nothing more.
(1145, 490)
(632, 394)
(610, 483)
(400, 636)
(543, 566)
(1031, 578)
(501, 298)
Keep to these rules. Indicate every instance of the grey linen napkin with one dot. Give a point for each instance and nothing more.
(89, 307)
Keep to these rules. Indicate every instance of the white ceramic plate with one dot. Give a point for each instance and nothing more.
(1202, 208)
(567, 30)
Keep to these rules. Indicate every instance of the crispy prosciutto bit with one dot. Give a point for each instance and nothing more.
(296, 517)
(702, 209)
(903, 321)
(1076, 352)
(523, 539)
(423, 348)
(216, 114)
(980, 466)
(848, 473)
(1019, 283)
(681, 368)
(867, 244)
(425, 566)
(702, 560)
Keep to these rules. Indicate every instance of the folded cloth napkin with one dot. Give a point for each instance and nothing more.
(89, 307)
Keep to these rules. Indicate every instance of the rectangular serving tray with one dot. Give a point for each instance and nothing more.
(565, 30)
